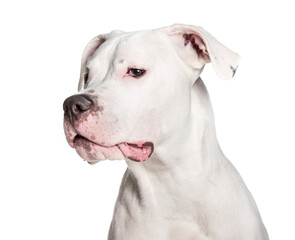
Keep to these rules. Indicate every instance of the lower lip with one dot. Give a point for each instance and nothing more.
(78, 138)
(93, 152)
(87, 149)
(83, 142)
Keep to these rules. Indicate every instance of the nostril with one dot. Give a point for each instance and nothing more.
(80, 107)
(76, 109)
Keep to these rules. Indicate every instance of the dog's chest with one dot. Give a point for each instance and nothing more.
(154, 227)
(152, 214)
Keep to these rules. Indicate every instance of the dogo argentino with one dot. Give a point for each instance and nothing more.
(141, 98)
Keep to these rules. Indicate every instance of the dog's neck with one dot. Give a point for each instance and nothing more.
(183, 163)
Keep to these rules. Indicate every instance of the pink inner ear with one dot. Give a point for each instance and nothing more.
(197, 44)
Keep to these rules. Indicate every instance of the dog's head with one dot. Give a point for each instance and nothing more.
(135, 89)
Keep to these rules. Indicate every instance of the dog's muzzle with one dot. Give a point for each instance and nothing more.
(78, 121)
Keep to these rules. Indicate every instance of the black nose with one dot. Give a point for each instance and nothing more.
(75, 105)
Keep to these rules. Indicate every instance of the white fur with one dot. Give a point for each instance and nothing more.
(187, 189)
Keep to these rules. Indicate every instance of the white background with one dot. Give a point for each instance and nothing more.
(48, 192)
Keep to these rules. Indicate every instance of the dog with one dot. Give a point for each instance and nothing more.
(141, 99)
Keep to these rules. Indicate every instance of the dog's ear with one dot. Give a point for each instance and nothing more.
(88, 52)
(194, 41)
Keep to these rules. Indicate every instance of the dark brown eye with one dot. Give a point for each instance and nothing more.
(134, 72)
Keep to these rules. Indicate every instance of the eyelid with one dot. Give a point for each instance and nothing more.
(142, 72)
(86, 71)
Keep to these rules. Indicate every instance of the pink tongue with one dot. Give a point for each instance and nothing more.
(138, 153)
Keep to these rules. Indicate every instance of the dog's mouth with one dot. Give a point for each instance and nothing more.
(93, 152)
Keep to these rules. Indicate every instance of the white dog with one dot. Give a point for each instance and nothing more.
(141, 98)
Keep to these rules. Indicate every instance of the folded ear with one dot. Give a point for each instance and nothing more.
(200, 47)
(88, 52)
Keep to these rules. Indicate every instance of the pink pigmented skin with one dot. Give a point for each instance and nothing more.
(82, 134)
(93, 152)
(81, 138)
(69, 132)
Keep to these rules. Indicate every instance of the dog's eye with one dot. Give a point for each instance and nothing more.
(134, 72)
(85, 77)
